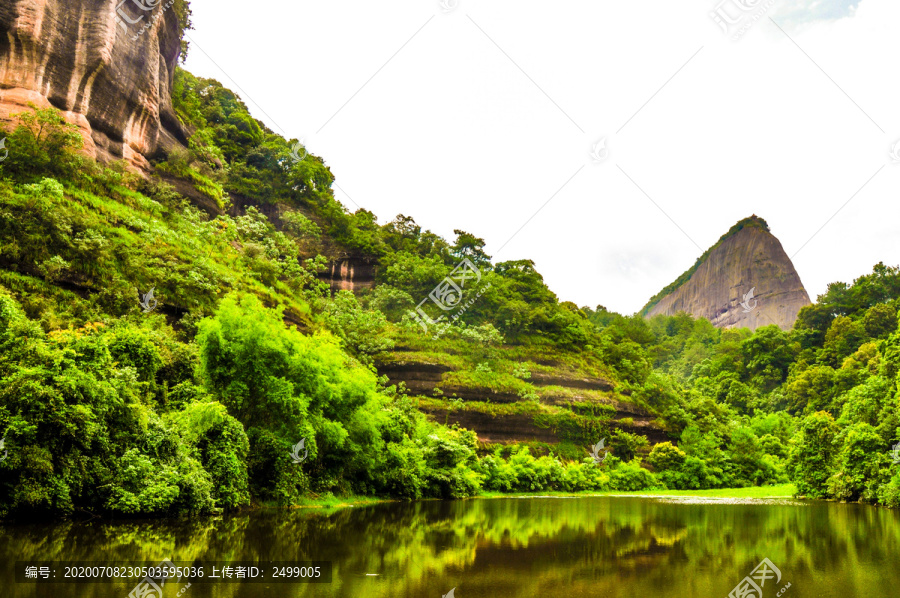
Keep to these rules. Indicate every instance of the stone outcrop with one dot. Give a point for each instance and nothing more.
(351, 273)
(744, 280)
(94, 61)
(421, 378)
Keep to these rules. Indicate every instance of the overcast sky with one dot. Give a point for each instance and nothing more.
(482, 116)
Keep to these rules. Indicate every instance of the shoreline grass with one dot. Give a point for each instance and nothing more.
(328, 501)
(761, 492)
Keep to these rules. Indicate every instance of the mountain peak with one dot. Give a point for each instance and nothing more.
(744, 280)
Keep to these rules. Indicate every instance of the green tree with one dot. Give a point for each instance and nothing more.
(880, 320)
(812, 453)
(768, 355)
(43, 143)
(861, 465)
(469, 246)
(844, 336)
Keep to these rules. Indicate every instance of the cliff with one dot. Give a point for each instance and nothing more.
(106, 65)
(744, 280)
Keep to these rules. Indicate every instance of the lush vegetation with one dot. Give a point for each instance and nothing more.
(816, 405)
(199, 405)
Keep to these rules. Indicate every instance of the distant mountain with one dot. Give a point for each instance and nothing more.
(744, 280)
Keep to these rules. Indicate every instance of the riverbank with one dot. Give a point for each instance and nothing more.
(762, 492)
(328, 501)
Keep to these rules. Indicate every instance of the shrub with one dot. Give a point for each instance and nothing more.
(630, 476)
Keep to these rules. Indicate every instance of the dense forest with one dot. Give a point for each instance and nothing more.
(194, 401)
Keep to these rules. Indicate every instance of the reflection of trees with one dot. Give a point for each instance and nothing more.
(509, 547)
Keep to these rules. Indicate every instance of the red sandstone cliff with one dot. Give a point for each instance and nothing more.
(748, 258)
(89, 59)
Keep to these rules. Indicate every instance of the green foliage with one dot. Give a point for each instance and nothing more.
(522, 472)
(674, 470)
(43, 143)
(363, 331)
(629, 476)
(84, 434)
(625, 445)
(222, 447)
(861, 465)
(195, 408)
(283, 385)
(812, 454)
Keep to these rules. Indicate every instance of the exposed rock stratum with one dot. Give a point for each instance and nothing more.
(89, 59)
(744, 280)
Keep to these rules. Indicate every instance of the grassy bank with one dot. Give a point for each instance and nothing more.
(329, 501)
(777, 491)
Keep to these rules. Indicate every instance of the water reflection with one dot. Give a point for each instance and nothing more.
(599, 546)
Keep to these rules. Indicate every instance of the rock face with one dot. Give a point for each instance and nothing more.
(422, 378)
(91, 60)
(351, 273)
(744, 280)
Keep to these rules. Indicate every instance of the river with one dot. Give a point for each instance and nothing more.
(485, 548)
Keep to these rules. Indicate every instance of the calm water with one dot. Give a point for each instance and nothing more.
(548, 547)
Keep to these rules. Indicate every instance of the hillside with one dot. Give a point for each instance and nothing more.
(206, 328)
(745, 280)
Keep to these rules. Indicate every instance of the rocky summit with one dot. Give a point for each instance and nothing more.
(744, 280)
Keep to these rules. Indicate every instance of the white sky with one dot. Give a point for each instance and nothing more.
(419, 112)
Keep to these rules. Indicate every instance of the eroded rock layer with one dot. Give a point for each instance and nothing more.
(95, 61)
